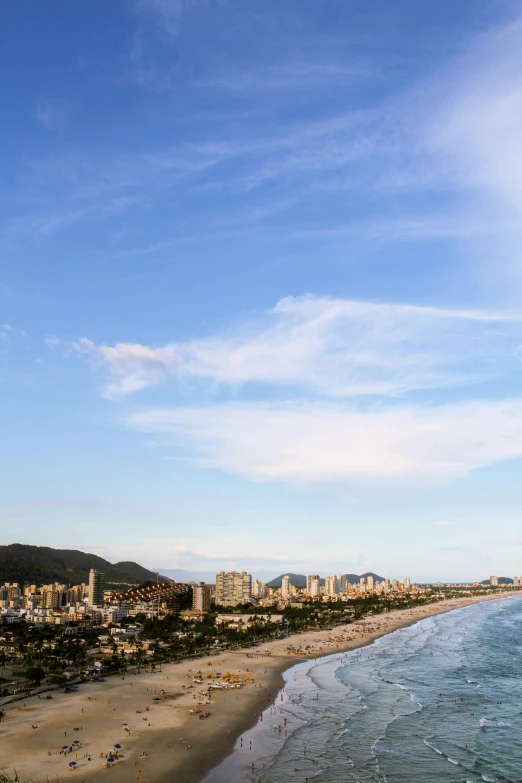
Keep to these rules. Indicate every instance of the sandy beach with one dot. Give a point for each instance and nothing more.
(148, 714)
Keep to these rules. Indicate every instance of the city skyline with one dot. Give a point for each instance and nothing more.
(259, 299)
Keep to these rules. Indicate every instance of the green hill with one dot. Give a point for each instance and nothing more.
(41, 565)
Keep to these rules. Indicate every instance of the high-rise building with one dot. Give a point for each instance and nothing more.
(96, 587)
(285, 587)
(315, 586)
(370, 582)
(309, 579)
(342, 583)
(493, 581)
(233, 588)
(516, 581)
(201, 597)
(256, 588)
(53, 598)
(362, 582)
(407, 583)
(13, 591)
(331, 585)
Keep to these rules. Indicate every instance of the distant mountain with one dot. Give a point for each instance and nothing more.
(299, 580)
(354, 579)
(41, 565)
(502, 580)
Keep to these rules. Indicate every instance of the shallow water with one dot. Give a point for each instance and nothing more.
(439, 702)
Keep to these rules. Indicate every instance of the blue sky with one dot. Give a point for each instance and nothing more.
(260, 284)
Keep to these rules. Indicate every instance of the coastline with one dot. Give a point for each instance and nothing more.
(176, 741)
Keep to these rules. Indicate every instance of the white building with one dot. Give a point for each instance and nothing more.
(201, 598)
(407, 583)
(342, 582)
(493, 581)
(370, 582)
(315, 586)
(257, 588)
(331, 585)
(312, 584)
(233, 588)
(286, 587)
(113, 614)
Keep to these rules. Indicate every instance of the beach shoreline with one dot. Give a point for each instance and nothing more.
(175, 741)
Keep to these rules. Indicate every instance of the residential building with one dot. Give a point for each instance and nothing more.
(201, 598)
(53, 598)
(113, 614)
(370, 583)
(331, 585)
(233, 588)
(259, 589)
(96, 588)
(285, 587)
(493, 581)
(407, 583)
(313, 585)
(309, 579)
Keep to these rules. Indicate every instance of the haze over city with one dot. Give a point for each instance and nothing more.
(260, 294)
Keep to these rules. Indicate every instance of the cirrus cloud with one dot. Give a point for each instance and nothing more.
(130, 366)
(316, 442)
(336, 348)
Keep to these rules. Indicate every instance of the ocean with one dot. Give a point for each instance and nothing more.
(438, 702)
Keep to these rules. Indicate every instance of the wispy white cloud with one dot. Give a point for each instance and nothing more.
(479, 116)
(443, 523)
(332, 347)
(455, 131)
(131, 366)
(331, 443)
(52, 341)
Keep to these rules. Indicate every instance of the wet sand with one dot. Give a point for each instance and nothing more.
(179, 745)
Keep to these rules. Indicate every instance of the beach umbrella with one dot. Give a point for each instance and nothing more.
(72, 763)
(124, 724)
(110, 760)
(76, 742)
(64, 747)
(117, 746)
